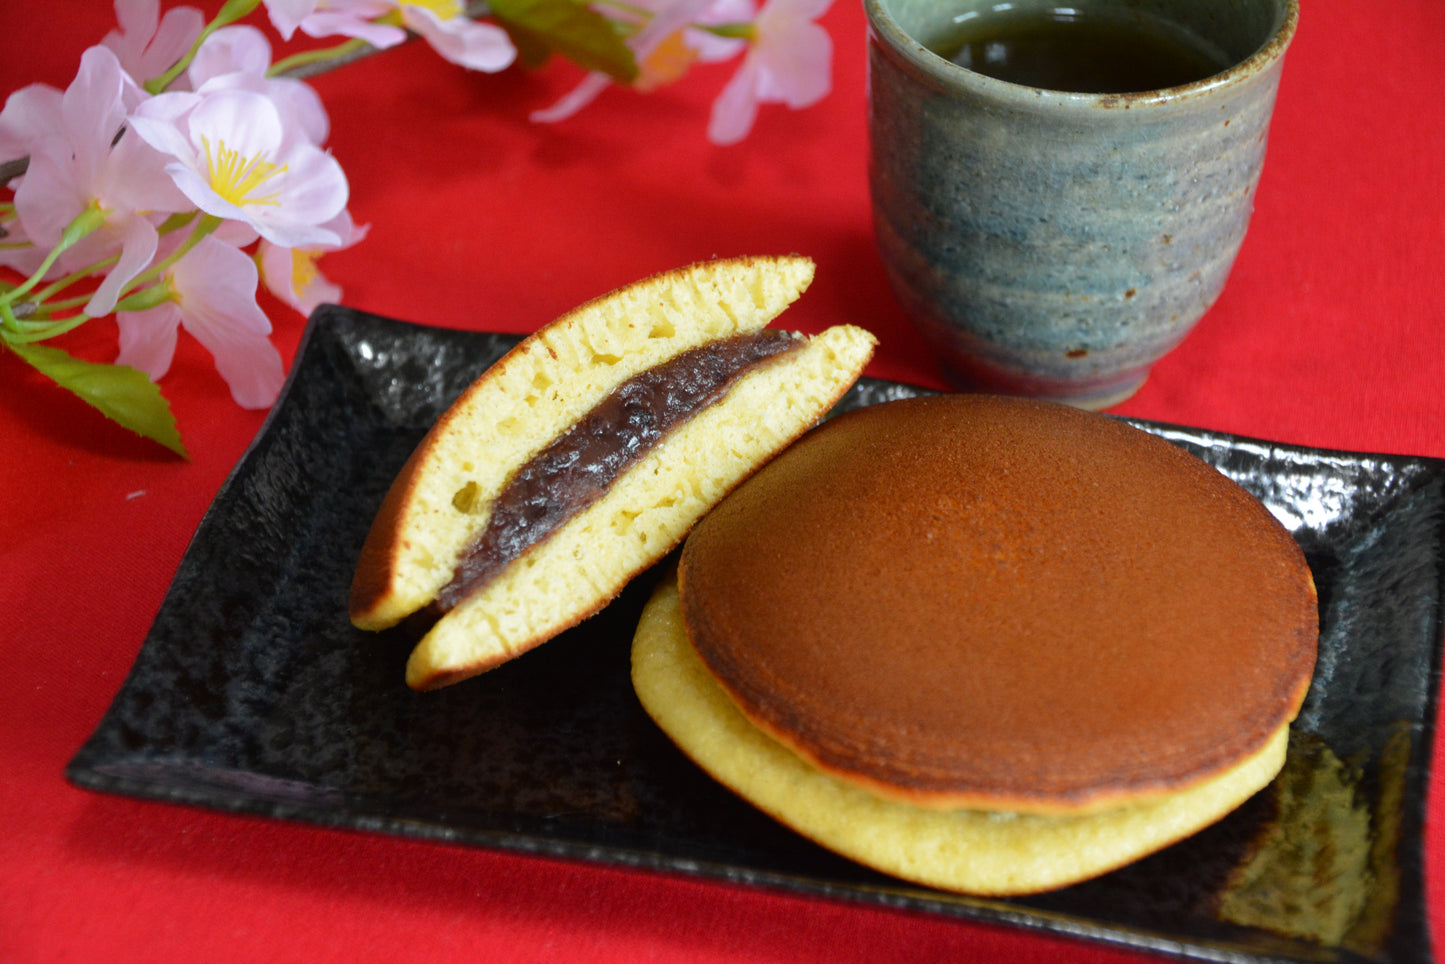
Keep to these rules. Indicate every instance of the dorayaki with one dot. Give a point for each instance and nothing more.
(990, 645)
(585, 454)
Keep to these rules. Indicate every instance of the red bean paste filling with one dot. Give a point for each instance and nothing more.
(579, 466)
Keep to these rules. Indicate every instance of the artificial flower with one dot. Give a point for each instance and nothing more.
(239, 57)
(94, 162)
(458, 38)
(789, 61)
(17, 251)
(665, 44)
(232, 156)
(213, 296)
(709, 46)
(443, 24)
(239, 49)
(30, 116)
(171, 208)
(335, 18)
(287, 16)
(292, 275)
(147, 44)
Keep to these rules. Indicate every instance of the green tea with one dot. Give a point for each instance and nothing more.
(1072, 49)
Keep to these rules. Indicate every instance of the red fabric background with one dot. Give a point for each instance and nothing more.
(1330, 333)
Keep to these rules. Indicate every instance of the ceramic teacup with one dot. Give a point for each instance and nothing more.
(1055, 243)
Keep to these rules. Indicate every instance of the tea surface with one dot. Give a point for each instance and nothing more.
(1071, 49)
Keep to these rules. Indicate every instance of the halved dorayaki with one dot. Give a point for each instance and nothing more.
(989, 645)
(586, 453)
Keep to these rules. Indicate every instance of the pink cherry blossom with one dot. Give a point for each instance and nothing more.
(147, 44)
(335, 18)
(288, 15)
(239, 57)
(444, 25)
(231, 154)
(17, 251)
(710, 47)
(90, 160)
(789, 61)
(668, 20)
(441, 23)
(30, 116)
(291, 274)
(238, 49)
(214, 298)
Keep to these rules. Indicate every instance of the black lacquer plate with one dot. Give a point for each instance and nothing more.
(253, 694)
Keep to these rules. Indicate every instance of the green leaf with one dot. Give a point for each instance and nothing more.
(121, 393)
(532, 49)
(572, 29)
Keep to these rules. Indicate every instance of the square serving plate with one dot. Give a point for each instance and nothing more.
(252, 693)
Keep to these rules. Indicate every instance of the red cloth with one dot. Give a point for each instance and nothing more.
(1331, 333)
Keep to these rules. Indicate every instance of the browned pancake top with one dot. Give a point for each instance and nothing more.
(994, 602)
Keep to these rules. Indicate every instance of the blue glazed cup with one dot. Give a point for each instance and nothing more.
(1057, 244)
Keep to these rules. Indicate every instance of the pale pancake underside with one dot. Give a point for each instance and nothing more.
(967, 851)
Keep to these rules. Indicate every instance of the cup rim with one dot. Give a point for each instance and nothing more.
(946, 72)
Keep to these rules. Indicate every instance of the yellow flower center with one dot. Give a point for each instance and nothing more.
(668, 61)
(237, 178)
(303, 269)
(444, 9)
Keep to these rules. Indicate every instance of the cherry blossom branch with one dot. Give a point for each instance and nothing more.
(88, 220)
(300, 66)
(120, 163)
